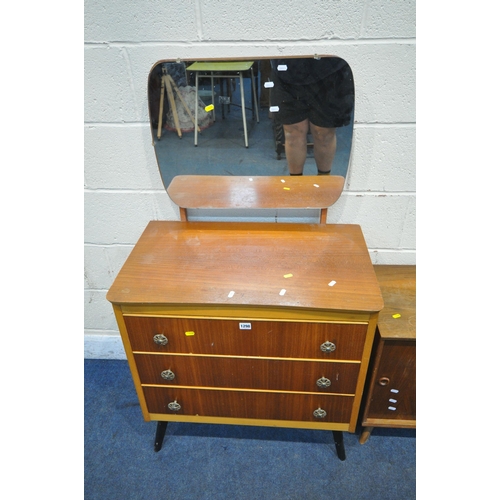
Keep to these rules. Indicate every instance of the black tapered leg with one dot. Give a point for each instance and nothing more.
(160, 434)
(338, 439)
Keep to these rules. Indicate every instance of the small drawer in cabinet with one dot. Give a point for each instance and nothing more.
(249, 404)
(329, 341)
(256, 373)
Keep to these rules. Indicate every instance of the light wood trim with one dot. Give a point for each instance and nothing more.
(239, 389)
(365, 360)
(254, 313)
(275, 192)
(390, 423)
(191, 355)
(296, 424)
(131, 361)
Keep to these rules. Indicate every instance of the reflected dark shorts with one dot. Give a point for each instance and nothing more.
(327, 103)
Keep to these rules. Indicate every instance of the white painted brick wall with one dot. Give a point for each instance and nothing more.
(123, 187)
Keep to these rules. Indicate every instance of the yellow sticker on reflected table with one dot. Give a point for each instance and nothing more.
(395, 316)
(286, 189)
(287, 275)
(189, 334)
(209, 108)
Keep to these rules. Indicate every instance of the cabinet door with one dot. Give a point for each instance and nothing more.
(394, 383)
(284, 339)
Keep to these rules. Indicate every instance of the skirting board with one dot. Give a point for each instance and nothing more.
(103, 347)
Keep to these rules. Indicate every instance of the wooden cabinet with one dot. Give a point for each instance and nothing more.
(391, 391)
(249, 323)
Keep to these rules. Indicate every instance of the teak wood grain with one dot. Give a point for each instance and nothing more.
(204, 262)
(248, 373)
(396, 369)
(398, 287)
(212, 191)
(265, 338)
(249, 404)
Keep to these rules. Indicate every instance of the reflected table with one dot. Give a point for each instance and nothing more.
(224, 69)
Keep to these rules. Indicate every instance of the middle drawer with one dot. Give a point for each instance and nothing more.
(254, 373)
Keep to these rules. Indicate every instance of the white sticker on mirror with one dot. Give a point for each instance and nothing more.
(282, 67)
(268, 85)
(274, 109)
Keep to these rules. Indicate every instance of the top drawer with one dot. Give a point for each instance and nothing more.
(250, 338)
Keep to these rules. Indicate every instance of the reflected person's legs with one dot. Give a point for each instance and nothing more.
(325, 146)
(296, 146)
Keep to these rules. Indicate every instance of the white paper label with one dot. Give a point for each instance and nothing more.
(282, 67)
(274, 109)
(268, 85)
(245, 326)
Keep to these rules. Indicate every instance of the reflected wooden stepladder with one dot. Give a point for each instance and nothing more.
(168, 85)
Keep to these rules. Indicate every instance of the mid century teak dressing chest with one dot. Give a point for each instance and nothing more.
(249, 323)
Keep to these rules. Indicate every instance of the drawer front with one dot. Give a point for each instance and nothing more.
(247, 404)
(251, 338)
(394, 383)
(266, 374)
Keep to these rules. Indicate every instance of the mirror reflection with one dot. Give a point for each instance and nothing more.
(290, 116)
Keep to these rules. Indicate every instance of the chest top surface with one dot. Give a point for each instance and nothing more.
(322, 266)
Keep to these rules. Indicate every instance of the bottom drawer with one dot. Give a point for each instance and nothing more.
(248, 404)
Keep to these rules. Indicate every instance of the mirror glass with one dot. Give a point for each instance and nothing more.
(294, 115)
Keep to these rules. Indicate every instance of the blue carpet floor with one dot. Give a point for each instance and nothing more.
(215, 462)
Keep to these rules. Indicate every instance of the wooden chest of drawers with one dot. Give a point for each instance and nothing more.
(254, 324)
(390, 397)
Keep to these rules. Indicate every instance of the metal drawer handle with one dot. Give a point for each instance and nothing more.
(319, 413)
(168, 375)
(160, 339)
(328, 346)
(174, 406)
(323, 382)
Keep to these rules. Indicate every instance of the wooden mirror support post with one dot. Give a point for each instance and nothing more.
(249, 323)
